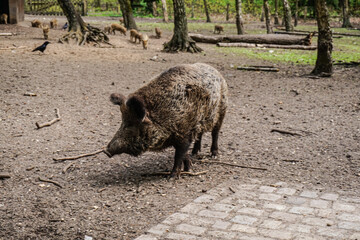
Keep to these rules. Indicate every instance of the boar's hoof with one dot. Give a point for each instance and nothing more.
(108, 154)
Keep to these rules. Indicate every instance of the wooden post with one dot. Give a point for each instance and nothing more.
(16, 11)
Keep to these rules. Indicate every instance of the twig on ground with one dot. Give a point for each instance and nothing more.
(181, 173)
(267, 69)
(291, 160)
(79, 156)
(67, 167)
(232, 190)
(286, 132)
(46, 124)
(231, 164)
(50, 181)
(4, 175)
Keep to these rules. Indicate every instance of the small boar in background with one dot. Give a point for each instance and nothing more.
(107, 29)
(36, 23)
(118, 27)
(4, 18)
(173, 109)
(144, 40)
(53, 23)
(46, 30)
(218, 29)
(158, 32)
(133, 34)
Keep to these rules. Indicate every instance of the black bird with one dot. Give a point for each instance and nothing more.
(42, 47)
(65, 26)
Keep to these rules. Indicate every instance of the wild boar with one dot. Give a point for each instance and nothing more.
(144, 40)
(218, 29)
(107, 29)
(53, 23)
(173, 109)
(118, 27)
(158, 32)
(133, 35)
(46, 32)
(4, 18)
(36, 23)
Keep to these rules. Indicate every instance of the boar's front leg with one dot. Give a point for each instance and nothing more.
(197, 144)
(181, 149)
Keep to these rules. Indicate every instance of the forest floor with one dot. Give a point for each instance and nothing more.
(118, 198)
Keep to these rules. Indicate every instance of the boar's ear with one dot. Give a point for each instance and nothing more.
(137, 107)
(117, 99)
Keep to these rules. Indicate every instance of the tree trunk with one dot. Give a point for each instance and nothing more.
(287, 16)
(78, 30)
(345, 14)
(238, 18)
(227, 11)
(127, 12)
(165, 13)
(278, 39)
(267, 17)
(262, 17)
(296, 12)
(192, 8)
(154, 7)
(276, 17)
(305, 13)
(207, 12)
(324, 65)
(180, 40)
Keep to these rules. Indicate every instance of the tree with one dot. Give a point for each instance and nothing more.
(323, 64)
(127, 13)
(267, 17)
(78, 30)
(180, 40)
(165, 13)
(276, 17)
(227, 11)
(238, 18)
(287, 16)
(296, 12)
(345, 14)
(207, 11)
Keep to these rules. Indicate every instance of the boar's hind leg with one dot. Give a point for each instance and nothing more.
(215, 135)
(181, 148)
(197, 144)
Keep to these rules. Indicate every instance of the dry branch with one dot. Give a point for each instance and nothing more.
(231, 164)
(334, 33)
(50, 181)
(286, 132)
(6, 34)
(67, 167)
(254, 45)
(181, 173)
(266, 69)
(4, 175)
(79, 156)
(300, 33)
(46, 124)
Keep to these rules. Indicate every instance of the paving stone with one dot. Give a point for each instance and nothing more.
(200, 221)
(325, 213)
(159, 229)
(274, 206)
(355, 236)
(221, 225)
(271, 224)
(192, 208)
(246, 203)
(286, 191)
(349, 217)
(175, 218)
(330, 232)
(343, 207)
(288, 217)
(302, 210)
(330, 196)
(222, 207)
(296, 200)
(350, 225)
(309, 194)
(243, 228)
(194, 230)
(222, 235)
(316, 203)
(146, 237)
(243, 219)
(252, 237)
(251, 211)
(267, 189)
(318, 221)
(277, 234)
(299, 228)
(177, 236)
(309, 237)
(213, 214)
(270, 197)
(207, 198)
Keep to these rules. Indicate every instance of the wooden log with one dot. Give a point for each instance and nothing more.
(299, 34)
(255, 38)
(334, 33)
(253, 45)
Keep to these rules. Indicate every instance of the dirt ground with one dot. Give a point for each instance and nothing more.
(118, 198)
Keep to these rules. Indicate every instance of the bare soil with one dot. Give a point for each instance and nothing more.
(118, 198)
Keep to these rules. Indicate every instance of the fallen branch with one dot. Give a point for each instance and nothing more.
(300, 33)
(6, 34)
(79, 156)
(50, 181)
(46, 124)
(231, 164)
(255, 45)
(266, 69)
(67, 167)
(181, 173)
(286, 132)
(334, 33)
(4, 175)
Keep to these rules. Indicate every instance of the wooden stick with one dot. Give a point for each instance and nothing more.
(50, 181)
(67, 167)
(255, 45)
(181, 173)
(79, 156)
(259, 69)
(6, 34)
(286, 132)
(46, 124)
(4, 175)
(232, 164)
